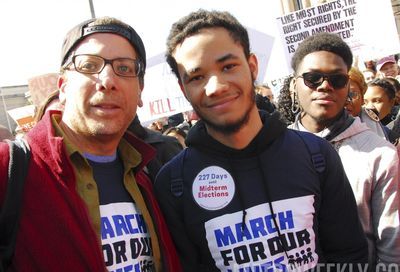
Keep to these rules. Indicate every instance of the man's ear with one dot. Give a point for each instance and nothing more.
(253, 64)
(393, 101)
(141, 87)
(61, 81)
(182, 89)
(293, 88)
(140, 101)
(293, 85)
(141, 83)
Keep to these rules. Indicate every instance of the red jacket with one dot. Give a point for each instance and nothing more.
(56, 233)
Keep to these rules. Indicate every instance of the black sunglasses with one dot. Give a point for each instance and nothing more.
(315, 79)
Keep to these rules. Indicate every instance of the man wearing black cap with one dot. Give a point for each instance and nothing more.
(87, 199)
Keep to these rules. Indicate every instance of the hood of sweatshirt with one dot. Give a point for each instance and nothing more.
(355, 128)
(272, 128)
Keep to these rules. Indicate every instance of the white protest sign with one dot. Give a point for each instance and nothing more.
(162, 95)
(354, 21)
(23, 116)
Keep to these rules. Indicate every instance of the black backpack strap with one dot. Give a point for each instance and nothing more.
(177, 174)
(313, 146)
(10, 212)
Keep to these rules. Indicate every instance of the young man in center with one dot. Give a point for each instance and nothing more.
(245, 195)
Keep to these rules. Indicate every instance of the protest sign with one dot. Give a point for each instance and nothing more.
(354, 21)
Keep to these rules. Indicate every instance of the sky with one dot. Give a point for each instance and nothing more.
(31, 36)
(32, 31)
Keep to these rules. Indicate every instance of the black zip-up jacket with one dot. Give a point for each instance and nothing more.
(260, 208)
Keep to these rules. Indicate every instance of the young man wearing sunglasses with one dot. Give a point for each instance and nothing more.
(245, 195)
(321, 87)
(87, 203)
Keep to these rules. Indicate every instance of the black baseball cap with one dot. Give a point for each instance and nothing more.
(102, 25)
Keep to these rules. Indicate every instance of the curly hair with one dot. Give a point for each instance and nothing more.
(284, 105)
(194, 22)
(322, 42)
(357, 77)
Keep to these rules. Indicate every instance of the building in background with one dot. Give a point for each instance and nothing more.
(12, 97)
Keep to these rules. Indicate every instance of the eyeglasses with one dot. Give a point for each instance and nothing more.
(354, 95)
(315, 79)
(91, 64)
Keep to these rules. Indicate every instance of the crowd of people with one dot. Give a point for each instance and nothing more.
(244, 182)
